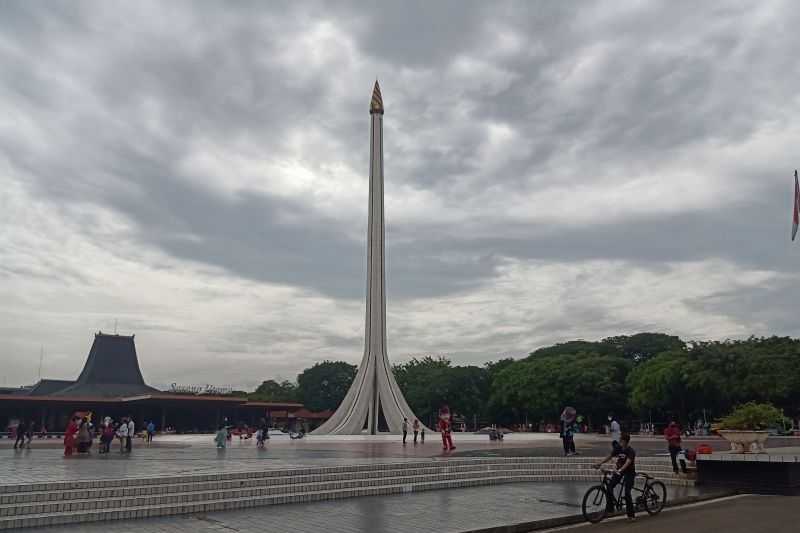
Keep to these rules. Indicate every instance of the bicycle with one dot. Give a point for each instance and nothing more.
(652, 496)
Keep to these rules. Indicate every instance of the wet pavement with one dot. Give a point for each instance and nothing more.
(196, 454)
(438, 511)
(742, 514)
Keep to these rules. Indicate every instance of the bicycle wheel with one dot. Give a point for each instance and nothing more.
(594, 504)
(655, 497)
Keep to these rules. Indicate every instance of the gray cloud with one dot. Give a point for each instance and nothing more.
(234, 139)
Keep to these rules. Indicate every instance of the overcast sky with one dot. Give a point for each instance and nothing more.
(554, 170)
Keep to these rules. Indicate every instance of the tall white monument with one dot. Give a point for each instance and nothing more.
(374, 390)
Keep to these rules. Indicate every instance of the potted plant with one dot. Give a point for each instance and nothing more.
(746, 427)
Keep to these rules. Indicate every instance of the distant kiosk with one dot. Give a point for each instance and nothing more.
(374, 401)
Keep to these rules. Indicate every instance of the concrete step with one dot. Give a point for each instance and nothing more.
(250, 474)
(193, 495)
(49, 502)
(91, 500)
(300, 496)
(159, 486)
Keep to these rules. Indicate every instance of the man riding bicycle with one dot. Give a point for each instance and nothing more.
(626, 472)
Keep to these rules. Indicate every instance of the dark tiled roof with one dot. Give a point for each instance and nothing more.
(49, 387)
(14, 390)
(112, 369)
(305, 413)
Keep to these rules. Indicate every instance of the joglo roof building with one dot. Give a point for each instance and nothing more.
(111, 370)
(111, 384)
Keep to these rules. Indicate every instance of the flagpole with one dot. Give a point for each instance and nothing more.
(796, 209)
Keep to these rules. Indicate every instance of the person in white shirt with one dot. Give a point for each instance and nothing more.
(122, 433)
(614, 429)
(131, 433)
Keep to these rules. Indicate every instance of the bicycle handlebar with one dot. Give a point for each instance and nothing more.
(606, 470)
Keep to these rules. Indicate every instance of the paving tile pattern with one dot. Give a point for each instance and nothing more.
(62, 502)
(443, 511)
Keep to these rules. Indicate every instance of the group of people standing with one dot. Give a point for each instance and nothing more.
(444, 425)
(418, 429)
(81, 432)
(78, 436)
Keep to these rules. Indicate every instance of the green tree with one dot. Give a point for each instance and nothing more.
(429, 382)
(272, 391)
(324, 385)
(576, 347)
(540, 386)
(643, 346)
(661, 384)
(424, 384)
(715, 376)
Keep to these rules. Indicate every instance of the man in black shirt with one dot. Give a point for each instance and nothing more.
(626, 472)
(22, 429)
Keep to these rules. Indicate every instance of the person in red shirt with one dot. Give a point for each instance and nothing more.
(445, 428)
(673, 437)
(71, 436)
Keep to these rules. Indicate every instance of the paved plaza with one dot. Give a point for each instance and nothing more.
(464, 509)
(196, 454)
(741, 514)
(176, 455)
(426, 512)
(181, 454)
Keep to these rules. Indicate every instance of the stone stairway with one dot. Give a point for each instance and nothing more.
(69, 502)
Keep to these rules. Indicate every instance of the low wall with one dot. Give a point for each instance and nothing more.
(755, 474)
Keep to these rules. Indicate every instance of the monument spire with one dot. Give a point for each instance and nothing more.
(376, 105)
(374, 390)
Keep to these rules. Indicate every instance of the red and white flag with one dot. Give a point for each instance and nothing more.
(796, 213)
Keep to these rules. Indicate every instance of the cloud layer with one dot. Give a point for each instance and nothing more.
(197, 171)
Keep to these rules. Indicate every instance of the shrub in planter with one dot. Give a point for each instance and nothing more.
(745, 428)
(752, 416)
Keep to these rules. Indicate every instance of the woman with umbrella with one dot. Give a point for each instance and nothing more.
(568, 430)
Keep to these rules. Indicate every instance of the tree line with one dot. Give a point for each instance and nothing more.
(647, 376)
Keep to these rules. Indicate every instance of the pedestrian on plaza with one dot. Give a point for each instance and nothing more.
(228, 432)
(84, 437)
(107, 437)
(568, 438)
(614, 429)
(151, 430)
(673, 437)
(29, 434)
(422, 435)
(625, 473)
(122, 434)
(221, 438)
(415, 427)
(405, 430)
(131, 433)
(445, 428)
(22, 429)
(567, 420)
(262, 434)
(71, 436)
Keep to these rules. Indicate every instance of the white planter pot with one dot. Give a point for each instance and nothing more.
(745, 441)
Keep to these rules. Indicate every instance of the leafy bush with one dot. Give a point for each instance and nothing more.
(753, 416)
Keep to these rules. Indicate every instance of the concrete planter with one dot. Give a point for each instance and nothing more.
(743, 441)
